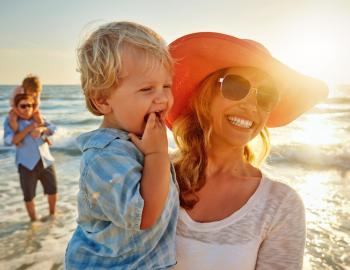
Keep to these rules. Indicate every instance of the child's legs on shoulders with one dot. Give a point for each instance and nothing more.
(38, 117)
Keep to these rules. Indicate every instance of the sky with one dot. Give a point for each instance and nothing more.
(41, 37)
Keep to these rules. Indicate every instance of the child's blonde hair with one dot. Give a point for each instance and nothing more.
(192, 133)
(32, 84)
(100, 56)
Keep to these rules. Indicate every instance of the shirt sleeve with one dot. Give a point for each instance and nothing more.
(8, 133)
(113, 185)
(283, 247)
(51, 127)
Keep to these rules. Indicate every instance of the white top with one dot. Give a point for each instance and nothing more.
(267, 233)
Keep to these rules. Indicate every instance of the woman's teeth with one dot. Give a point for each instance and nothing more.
(240, 122)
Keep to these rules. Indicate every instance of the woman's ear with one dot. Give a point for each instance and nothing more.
(101, 105)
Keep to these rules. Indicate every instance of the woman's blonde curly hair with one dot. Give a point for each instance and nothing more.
(192, 132)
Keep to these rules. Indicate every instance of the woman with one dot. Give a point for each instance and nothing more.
(226, 92)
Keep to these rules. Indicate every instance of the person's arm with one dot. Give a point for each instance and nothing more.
(155, 179)
(13, 117)
(46, 128)
(38, 118)
(283, 247)
(13, 112)
(20, 135)
(50, 128)
(8, 133)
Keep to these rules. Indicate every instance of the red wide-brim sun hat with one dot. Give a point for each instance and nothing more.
(197, 55)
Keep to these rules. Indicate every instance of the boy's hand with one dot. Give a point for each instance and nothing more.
(154, 139)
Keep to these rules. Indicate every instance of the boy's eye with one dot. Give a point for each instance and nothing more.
(167, 86)
(146, 89)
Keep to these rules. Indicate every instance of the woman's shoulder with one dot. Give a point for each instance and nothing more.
(280, 193)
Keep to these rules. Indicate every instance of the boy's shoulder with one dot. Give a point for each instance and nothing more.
(107, 140)
(106, 150)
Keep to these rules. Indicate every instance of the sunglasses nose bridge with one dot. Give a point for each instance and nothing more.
(252, 96)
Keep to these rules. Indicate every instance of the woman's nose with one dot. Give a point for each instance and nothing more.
(250, 101)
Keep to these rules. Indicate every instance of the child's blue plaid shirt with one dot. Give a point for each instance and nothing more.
(110, 206)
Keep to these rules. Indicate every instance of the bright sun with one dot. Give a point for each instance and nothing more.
(317, 47)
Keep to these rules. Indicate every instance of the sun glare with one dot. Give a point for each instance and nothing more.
(317, 48)
(315, 130)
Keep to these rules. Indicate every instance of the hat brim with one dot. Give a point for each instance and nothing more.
(198, 55)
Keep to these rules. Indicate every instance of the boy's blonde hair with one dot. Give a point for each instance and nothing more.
(100, 56)
(192, 134)
(31, 83)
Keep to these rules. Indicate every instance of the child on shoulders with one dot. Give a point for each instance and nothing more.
(31, 85)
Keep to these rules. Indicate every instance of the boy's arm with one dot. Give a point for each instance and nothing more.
(156, 171)
(154, 187)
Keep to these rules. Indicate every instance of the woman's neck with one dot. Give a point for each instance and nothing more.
(224, 159)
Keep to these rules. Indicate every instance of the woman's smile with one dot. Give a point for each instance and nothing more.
(240, 122)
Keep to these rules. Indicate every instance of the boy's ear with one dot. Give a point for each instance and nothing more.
(102, 105)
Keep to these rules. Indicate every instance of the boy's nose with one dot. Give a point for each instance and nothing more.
(162, 97)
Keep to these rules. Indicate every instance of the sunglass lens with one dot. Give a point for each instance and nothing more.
(24, 106)
(267, 97)
(235, 87)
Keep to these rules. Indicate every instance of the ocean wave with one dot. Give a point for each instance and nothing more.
(63, 98)
(70, 151)
(6, 150)
(338, 100)
(330, 156)
(331, 110)
(70, 122)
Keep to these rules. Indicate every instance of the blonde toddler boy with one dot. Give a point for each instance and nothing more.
(128, 199)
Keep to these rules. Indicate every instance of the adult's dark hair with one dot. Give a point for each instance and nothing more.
(20, 97)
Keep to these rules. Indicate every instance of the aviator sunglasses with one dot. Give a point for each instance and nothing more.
(24, 106)
(235, 87)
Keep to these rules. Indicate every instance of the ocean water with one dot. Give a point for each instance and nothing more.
(312, 155)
